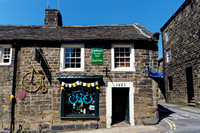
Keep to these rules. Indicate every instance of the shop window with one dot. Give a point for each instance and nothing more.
(5, 54)
(122, 57)
(80, 100)
(72, 57)
(170, 84)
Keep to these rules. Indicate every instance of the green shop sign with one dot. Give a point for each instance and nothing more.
(97, 55)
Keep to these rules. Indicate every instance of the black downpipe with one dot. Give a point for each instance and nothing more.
(13, 89)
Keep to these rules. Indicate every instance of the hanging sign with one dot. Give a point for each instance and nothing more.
(97, 55)
(37, 55)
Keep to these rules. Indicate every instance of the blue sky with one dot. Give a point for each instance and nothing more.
(152, 14)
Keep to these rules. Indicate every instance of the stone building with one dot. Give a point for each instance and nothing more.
(181, 50)
(63, 78)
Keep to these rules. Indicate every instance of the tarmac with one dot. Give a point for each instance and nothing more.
(139, 128)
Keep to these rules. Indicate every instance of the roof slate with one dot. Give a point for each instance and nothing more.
(73, 33)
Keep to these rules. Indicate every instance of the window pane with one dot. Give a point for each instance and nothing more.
(78, 65)
(121, 50)
(80, 101)
(73, 60)
(78, 50)
(127, 54)
(68, 50)
(127, 50)
(73, 65)
(6, 60)
(67, 61)
(78, 60)
(117, 50)
(127, 64)
(116, 54)
(73, 54)
(67, 55)
(116, 60)
(6, 55)
(67, 66)
(122, 64)
(78, 54)
(117, 65)
(127, 60)
(121, 54)
(72, 57)
(121, 59)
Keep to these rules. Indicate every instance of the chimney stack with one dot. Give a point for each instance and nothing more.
(53, 18)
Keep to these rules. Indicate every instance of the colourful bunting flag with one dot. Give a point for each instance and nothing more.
(74, 84)
(97, 88)
(88, 85)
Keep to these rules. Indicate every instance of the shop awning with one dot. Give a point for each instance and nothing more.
(60, 77)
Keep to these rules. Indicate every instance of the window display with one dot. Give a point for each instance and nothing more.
(80, 100)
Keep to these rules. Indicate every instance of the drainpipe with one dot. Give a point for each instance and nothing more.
(13, 88)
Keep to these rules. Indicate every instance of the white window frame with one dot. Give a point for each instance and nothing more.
(132, 57)
(62, 57)
(168, 55)
(2, 47)
(166, 36)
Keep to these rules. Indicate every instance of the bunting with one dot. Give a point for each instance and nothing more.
(79, 83)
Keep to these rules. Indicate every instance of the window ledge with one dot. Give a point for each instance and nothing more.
(123, 70)
(80, 117)
(5, 64)
(72, 70)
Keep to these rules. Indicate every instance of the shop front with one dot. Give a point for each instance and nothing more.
(80, 96)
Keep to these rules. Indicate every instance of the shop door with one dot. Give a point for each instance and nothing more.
(120, 105)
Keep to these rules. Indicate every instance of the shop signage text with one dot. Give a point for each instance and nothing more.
(97, 55)
(121, 84)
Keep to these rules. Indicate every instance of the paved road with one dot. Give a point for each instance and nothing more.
(178, 119)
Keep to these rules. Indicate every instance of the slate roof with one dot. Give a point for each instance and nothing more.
(75, 33)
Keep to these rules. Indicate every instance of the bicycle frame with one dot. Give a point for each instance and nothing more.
(40, 74)
(80, 98)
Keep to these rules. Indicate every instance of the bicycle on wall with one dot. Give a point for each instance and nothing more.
(80, 98)
(33, 81)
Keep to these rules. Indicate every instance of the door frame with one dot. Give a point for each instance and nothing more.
(122, 85)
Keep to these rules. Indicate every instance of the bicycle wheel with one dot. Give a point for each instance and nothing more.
(87, 99)
(31, 86)
(73, 99)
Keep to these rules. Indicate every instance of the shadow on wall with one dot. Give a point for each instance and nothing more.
(160, 81)
(44, 64)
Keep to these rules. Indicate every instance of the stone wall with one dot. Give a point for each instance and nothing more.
(38, 111)
(184, 42)
(5, 92)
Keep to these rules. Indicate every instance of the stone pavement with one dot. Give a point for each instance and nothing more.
(126, 129)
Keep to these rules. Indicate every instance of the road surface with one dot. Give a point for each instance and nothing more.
(178, 119)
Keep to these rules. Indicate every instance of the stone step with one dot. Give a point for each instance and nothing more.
(191, 104)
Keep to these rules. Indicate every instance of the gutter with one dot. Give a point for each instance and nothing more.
(13, 88)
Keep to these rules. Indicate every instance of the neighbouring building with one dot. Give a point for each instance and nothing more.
(160, 81)
(63, 78)
(181, 54)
